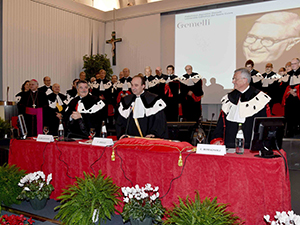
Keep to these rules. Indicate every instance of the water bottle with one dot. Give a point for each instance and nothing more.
(239, 141)
(61, 133)
(103, 130)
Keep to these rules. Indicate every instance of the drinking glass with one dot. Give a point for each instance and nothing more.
(46, 130)
(92, 132)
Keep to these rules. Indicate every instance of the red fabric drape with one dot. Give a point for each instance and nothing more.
(252, 186)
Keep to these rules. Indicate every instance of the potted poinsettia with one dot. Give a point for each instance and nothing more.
(36, 188)
(15, 219)
(142, 205)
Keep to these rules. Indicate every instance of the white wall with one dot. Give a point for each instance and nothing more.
(140, 46)
(40, 40)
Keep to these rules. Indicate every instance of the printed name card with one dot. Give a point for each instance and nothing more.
(211, 149)
(45, 138)
(102, 141)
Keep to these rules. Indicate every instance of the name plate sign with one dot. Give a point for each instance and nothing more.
(102, 141)
(45, 138)
(211, 149)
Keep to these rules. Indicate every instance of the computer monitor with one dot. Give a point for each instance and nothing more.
(22, 127)
(267, 134)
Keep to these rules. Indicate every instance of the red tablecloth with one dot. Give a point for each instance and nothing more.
(252, 186)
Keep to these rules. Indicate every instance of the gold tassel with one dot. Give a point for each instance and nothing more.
(180, 160)
(113, 157)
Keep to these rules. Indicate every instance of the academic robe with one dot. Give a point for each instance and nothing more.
(122, 89)
(46, 90)
(256, 78)
(292, 104)
(153, 122)
(152, 84)
(191, 105)
(105, 94)
(91, 109)
(37, 99)
(71, 93)
(169, 92)
(57, 104)
(252, 104)
(270, 86)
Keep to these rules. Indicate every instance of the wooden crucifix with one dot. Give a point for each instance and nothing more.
(113, 42)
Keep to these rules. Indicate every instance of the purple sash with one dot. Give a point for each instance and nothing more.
(39, 118)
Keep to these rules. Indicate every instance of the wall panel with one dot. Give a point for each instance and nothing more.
(40, 40)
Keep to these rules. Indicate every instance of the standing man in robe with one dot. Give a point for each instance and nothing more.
(291, 100)
(169, 92)
(241, 105)
(256, 77)
(34, 107)
(123, 86)
(47, 88)
(141, 113)
(191, 93)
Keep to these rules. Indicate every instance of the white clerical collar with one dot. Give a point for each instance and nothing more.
(245, 89)
(140, 94)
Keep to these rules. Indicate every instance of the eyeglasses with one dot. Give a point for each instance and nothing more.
(267, 42)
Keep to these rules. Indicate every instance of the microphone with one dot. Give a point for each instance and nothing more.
(7, 93)
(74, 134)
(127, 125)
(209, 129)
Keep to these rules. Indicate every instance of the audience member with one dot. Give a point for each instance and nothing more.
(82, 76)
(24, 88)
(256, 77)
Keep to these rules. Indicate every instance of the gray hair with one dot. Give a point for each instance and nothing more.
(244, 73)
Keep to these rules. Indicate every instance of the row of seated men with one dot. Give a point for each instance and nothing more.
(176, 93)
(283, 88)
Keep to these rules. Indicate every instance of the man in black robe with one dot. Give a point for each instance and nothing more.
(123, 86)
(169, 92)
(47, 88)
(151, 82)
(191, 93)
(31, 100)
(142, 113)
(57, 105)
(291, 100)
(241, 105)
(270, 85)
(72, 93)
(256, 77)
(84, 113)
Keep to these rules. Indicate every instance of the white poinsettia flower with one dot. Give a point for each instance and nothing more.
(267, 218)
(144, 195)
(296, 219)
(138, 197)
(126, 200)
(148, 187)
(20, 184)
(153, 197)
(26, 189)
(49, 178)
(123, 189)
(95, 216)
(128, 190)
(137, 187)
(157, 194)
(273, 223)
(156, 188)
(130, 196)
(41, 186)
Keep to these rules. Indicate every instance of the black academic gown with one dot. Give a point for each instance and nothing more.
(169, 92)
(250, 97)
(91, 109)
(121, 83)
(191, 109)
(152, 124)
(45, 89)
(257, 84)
(39, 99)
(54, 109)
(153, 84)
(272, 90)
(71, 93)
(292, 108)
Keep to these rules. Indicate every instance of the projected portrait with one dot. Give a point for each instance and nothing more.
(270, 37)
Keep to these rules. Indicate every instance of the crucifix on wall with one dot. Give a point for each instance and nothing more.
(113, 41)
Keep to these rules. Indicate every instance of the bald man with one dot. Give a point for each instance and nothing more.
(57, 105)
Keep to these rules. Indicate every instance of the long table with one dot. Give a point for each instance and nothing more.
(252, 186)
